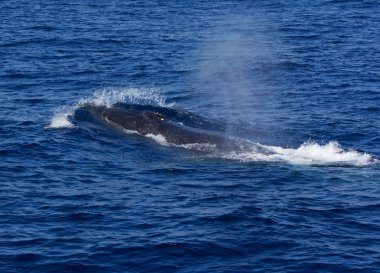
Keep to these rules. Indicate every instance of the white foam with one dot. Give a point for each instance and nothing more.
(307, 154)
(310, 153)
(61, 119)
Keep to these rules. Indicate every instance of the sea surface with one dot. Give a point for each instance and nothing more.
(301, 78)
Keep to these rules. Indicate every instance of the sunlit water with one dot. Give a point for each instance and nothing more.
(297, 82)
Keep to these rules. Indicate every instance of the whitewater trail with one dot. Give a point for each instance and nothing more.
(309, 153)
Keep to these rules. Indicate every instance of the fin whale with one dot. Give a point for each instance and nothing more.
(151, 123)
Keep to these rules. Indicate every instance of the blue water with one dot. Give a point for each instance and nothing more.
(301, 78)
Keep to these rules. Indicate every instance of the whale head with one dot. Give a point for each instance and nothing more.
(143, 122)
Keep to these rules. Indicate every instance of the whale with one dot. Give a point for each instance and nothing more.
(155, 125)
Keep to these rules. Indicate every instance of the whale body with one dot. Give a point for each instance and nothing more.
(150, 123)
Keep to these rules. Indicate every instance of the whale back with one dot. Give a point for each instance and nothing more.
(148, 122)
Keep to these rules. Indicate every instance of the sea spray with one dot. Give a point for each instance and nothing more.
(107, 97)
(61, 118)
(110, 96)
(232, 69)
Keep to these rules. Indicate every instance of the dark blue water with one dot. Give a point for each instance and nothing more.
(300, 78)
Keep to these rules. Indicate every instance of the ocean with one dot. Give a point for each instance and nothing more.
(298, 79)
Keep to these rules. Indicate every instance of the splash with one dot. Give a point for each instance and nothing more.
(108, 97)
(330, 154)
(143, 96)
(61, 118)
